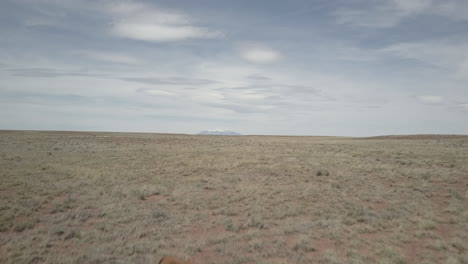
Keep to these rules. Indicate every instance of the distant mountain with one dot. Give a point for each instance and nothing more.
(219, 133)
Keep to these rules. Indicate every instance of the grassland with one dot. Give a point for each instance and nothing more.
(69, 197)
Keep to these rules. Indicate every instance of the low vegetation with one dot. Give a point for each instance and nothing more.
(69, 197)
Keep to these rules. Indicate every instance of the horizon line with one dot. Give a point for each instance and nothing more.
(196, 134)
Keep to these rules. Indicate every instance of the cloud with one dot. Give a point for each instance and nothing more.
(268, 97)
(51, 73)
(56, 73)
(430, 99)
(39, 21)
(45, 98)
(463, 69)
(379, 17)
(161, 33)
(110, 57)
(407, 7)
(144, 22)
(241, 108)
(170, 81)
(83, 102)
(156, 92)
(381, 14)
(448, 55)
(389, 13)
(187, 118)
(258, 53)
(453, 9)
(257, 77)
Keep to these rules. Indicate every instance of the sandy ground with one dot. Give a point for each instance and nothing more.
(75, 197)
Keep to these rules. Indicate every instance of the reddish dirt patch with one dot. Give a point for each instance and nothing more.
(282, 260)
(370, 240)
(290, 239)
(2, 254)
(445, 229)
(47, 206)
(207, 255)
(90, 225)
(441, 197)
(323, 245)
(441, 200)
(413, 250)
(197, 231)
(201, 228)
(377, 205)
(154, 197)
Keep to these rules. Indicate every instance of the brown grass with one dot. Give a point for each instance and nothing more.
(75, 197)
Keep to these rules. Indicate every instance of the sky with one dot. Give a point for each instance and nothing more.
(297, 67)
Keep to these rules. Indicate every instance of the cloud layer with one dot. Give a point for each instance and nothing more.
(258, 53)
(430, 99)
(353, 68)
(140, 22)
(384, 14)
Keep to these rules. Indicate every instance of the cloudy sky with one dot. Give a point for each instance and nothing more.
(298, 67)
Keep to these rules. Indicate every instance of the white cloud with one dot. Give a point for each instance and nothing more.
(412, 6)
(430, 99)
(462, 71)
(381, 17)
(110, 57)
(156, 92)
(139, 12)
(447, 55)
(453, 9)
(206, 96)
(385, 13)
(143, 22)
(257, 53)
(161, 33)
(125, 8)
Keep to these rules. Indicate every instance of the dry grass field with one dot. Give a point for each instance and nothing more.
(70, 197)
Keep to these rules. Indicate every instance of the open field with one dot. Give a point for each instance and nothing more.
(71, 197)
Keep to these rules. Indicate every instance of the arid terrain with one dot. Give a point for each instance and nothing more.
(74, 197)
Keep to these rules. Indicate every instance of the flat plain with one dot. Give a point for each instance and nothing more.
(85, 197)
